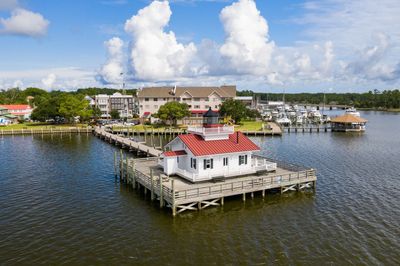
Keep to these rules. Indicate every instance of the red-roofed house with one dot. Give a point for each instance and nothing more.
(212, 151)
(22, 111)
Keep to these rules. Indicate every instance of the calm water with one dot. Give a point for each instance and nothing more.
(60, 204)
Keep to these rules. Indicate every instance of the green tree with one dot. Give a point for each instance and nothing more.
(172, 111)
(96, 112)
(46, 108)
(114, 114)
(235, 109)
(71, 107)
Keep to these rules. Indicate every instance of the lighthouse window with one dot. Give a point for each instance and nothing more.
(193, 163)
(208, 163)
(242, 159)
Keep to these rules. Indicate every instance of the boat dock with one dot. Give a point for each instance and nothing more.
(180, 195)
(45, 131)
(307, 129)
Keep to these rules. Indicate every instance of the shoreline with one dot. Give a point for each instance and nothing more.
(391, 110)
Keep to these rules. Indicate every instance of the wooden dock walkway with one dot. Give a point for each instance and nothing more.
(126, 142)
(307, 129)
(43, 131)
(180, 195)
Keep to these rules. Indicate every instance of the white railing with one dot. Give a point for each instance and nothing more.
(212, 130)
(261, 164)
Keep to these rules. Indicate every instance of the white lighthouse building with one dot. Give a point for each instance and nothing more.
(212, 151)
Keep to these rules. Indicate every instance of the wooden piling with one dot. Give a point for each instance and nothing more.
(121, 167)
(161, 193)
(173, 198)
(126, 170)
(115, 164)
(152, 184)
(133, 175)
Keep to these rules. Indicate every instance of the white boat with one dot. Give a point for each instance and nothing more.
(352, 111)
(303, 113)
(292, 113)
(300, 119)
(283, 120)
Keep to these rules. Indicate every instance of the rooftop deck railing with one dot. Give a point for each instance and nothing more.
(212, 130)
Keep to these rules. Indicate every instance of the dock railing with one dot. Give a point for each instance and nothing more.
(250, 184)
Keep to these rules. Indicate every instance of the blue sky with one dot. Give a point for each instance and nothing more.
(261, 45)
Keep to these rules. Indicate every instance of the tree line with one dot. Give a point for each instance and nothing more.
(57, 106)
(387, 99)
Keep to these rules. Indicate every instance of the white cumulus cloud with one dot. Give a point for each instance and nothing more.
(246, 46)
(24, 22)
(111, 72)
(49, 81)
(156, 54)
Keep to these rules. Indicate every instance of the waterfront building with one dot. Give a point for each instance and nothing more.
(21, 111)
(124, 104)
(246, 100)
(212, 151)
(348, 122)
(7, 118)
(199, 99)
(102, 102)
(90, 101)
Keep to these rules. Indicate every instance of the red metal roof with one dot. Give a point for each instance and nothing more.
(237, 142)
(174, 153)
(16, 106)
(201, 111)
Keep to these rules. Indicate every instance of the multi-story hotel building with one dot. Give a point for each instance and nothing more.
(124, 104)
(199, 99)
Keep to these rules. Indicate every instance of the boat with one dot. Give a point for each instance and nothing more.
(283, 120)
(352, 111)
(300, 120)
(303, 113)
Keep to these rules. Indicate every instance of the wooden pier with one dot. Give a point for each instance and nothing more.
(43, 131)
(307, 129)
(180, 195)
(126, 142)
